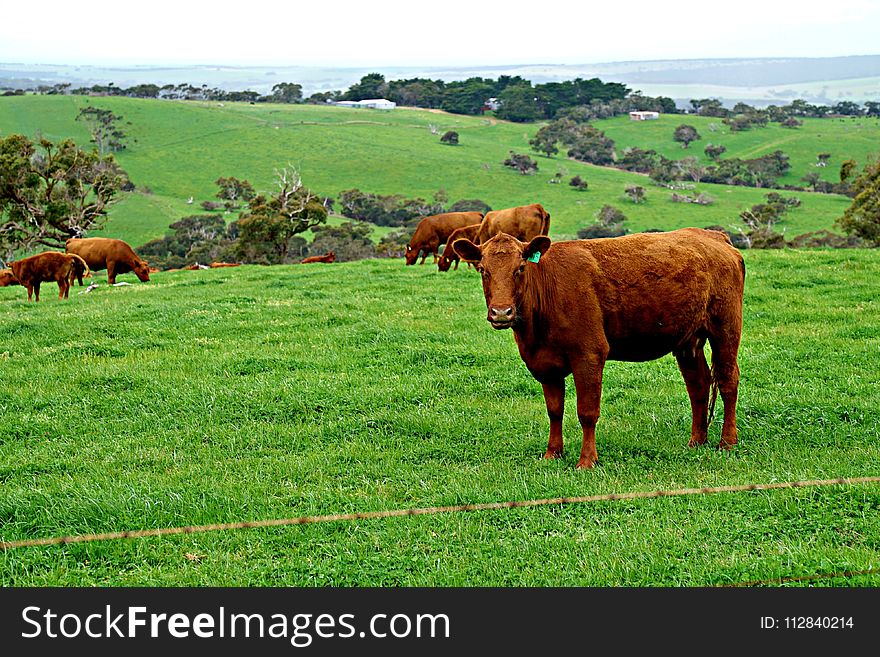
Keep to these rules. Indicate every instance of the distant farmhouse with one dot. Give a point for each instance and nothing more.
(644, 116)
(371, 103)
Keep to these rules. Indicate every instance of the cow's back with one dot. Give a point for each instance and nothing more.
(524, 223)
(645, 294)
(96, 251)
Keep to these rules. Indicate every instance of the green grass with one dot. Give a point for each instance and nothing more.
(856, 138)
(178, 149)
(254, 393)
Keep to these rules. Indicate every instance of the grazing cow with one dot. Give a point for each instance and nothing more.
(432, 232)
(114, 255)
(449, 255)
(7, 278)
(523, 223)
(330, 256)
(47, 266)
(574, 305)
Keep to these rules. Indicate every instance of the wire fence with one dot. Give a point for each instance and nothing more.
(460, 508)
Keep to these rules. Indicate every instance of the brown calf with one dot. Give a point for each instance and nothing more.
(48, 266)
(7, 278)
(574, 305)
(449, 255)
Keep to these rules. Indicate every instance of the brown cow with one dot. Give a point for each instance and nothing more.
(47, 266)
(574, 305)
(432, 232)
(216, 265)
(523, 222)
(114, 255)
(330, 256)
(449, 255)
(7, 278)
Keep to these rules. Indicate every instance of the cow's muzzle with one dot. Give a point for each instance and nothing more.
(501, 318)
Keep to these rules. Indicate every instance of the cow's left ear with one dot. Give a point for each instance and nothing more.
(467, 250)
(536, 248)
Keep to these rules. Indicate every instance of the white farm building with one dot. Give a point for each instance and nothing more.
(371, 103)
(644, 116)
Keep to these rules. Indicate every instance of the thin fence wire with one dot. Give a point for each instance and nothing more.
(434, 510)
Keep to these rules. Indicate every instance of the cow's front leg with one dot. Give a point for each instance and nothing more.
(424, 255)
(554, 397)
(588, 384)
(111, 272)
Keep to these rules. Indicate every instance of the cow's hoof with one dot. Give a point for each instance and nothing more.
(553, 454)
(584, 464)
(727, 443)
(696, 442)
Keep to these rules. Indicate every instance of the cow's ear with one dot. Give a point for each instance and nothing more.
(536, 248)
(467, 250)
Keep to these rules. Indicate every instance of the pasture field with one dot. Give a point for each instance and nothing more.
(178, 149)
(255, 393)
(844, 138)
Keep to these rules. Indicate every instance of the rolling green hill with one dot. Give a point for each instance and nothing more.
(856, 138)
(177, 150)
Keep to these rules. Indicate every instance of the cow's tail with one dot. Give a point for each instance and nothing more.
(545, 223)
(713, 393)
(86, 272)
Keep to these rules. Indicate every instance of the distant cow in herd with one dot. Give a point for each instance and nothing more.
(433, 232)
(574, 305)
(49, 266)
(330, 256)
(449, 255)
(114, 255)
(523, 223)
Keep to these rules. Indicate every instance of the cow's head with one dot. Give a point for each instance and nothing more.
(502, 262)
(447, 258)
(411, 254)
(7, 278)
(142, 270)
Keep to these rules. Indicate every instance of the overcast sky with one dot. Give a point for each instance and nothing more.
(441, 32)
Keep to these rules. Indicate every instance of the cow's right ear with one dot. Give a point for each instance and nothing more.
(467, 250)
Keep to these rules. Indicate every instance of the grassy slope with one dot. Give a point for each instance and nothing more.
(258, 393)
(182, 148)
(843, 138)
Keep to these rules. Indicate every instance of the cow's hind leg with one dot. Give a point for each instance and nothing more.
(588, 384)
(695, 370)
(554, 397)
(36, 292)
(726, 372)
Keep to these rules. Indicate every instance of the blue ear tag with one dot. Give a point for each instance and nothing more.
(534, 257)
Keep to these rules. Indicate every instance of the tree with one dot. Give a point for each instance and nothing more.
(468, 96)
(286, 92)
(609, 223)
(49, 192)
(103, 126)
(449, 137)
(636, 193)
(522, 163)
(685, 134)
(349, 241)
(847, 169)
(714, 151)
(862, 217)
(872, 108)
(233, 192)
(579, 183)
(518, 103)
(791, 122)
(266, 231)
(371, 85)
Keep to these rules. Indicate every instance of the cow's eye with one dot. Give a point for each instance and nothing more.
(522, 268)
